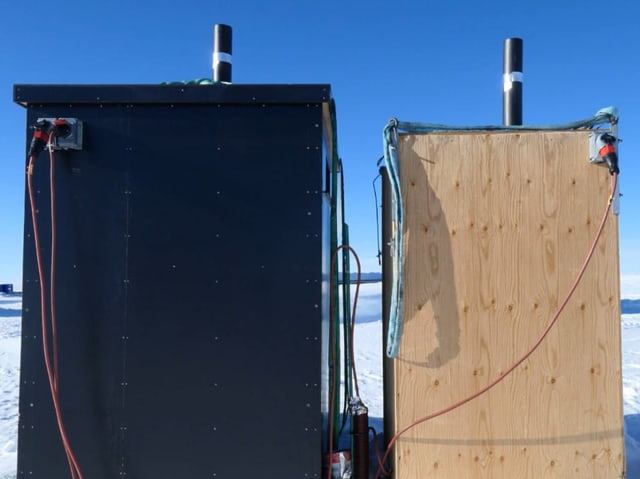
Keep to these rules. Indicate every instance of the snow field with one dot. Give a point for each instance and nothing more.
(368, 346)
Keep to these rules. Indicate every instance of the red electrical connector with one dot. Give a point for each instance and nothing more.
(603, 149)
(608, 152)
(42, 133)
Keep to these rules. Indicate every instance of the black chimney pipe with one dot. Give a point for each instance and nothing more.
(222, 53)
(512, 78)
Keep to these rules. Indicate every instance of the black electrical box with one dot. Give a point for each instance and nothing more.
(191, 281)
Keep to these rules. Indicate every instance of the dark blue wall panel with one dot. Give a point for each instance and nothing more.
(190, 284)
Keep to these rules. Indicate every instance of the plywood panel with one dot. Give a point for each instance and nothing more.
(497, 226)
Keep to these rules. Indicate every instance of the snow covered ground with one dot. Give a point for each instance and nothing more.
(368, 338)
(10, 312)
(631, 391)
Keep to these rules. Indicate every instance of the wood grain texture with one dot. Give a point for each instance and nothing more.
(497, 225)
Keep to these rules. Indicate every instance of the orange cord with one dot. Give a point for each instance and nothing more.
(332, 355)
(52, 369)
(52, 283)
(52, 279)
(545, 332)
(376, 447)
(353, 317)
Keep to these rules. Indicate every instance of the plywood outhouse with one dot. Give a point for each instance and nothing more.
(497, 225)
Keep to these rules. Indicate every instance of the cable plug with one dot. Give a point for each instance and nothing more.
(44, 132)
(608, 152)
(61, 128)
(40, 137)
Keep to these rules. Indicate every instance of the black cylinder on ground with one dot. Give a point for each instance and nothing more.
(361, 445)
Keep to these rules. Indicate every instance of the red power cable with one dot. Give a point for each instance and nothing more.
(332, 354)
(353, 318)
(52, 369)
(376, 447)
(545, 332)
(52, 272)
(52, 286)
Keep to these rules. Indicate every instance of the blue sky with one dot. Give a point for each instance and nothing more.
(414, 60)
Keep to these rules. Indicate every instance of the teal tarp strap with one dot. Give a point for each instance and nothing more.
(390, 140)
(197, 81)
(608, 115)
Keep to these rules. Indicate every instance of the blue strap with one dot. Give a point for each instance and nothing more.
(197, 81)
(390, 140)
(608, 115)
